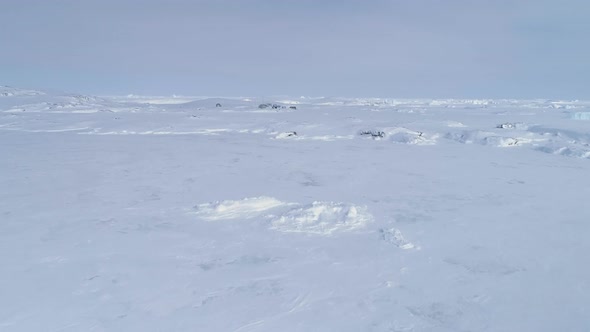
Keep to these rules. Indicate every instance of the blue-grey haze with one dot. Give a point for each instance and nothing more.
(389, 48)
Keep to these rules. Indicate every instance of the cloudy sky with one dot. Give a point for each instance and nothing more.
(387, 48)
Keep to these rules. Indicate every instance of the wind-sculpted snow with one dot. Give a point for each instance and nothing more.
(410, 122)
(395, 237)
(490, 138)
(322, 218)
(180, 213)
(246, 208)
(407, 136)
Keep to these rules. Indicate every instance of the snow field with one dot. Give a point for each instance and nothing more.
(172, 214)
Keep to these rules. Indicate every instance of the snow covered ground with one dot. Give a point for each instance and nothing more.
(172, 214)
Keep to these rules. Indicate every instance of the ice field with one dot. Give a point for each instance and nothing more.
(293, 214)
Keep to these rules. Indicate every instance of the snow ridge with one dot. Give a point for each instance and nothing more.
(322, 218)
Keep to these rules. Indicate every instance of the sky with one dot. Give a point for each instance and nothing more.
(371, 48)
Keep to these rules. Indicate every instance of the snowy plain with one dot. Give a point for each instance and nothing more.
(324, 214)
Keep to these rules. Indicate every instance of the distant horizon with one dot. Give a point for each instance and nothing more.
(262, 96)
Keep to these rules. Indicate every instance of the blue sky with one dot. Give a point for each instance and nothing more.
(387, 48)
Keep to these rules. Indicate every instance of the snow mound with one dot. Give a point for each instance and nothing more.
(400, 135)
(572, 151)
(244, 208)
(395, 237)
(487, 138)
(323, 218)
(407, 136)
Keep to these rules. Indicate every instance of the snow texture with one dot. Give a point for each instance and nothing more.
(236, 209)
(170, 213)
(323, 218)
